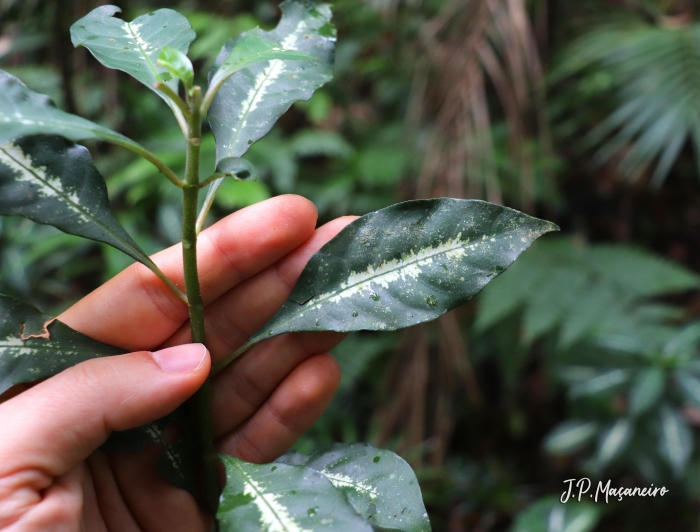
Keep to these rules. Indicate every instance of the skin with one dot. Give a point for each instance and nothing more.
(52, 477)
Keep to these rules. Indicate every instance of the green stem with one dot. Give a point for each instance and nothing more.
(143, 152)
(173, 287)
(174, 97)
(214, 177)
(201, 401)
(216, 368)
(208, 202)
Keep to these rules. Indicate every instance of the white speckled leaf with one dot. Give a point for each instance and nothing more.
(406, 264)
(379, 484)
(283, 498)
(24, 112)
(35, 346)
(134, 47)
(250, 102)
(53, 181)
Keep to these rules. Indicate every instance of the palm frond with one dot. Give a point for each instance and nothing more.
(656, 72)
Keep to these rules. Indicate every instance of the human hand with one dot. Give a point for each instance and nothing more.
(51, 475)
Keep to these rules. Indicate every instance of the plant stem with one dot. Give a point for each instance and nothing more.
(174, 97)
(216, 368)
(173, 287)
(208, 202)
(201, 401)
(143, 152)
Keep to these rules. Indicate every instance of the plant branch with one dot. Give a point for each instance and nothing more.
(216, 368)
(160, 165)
(201, 401)
(174, 97)
(208, 202)
(173, 287)
(214, 177)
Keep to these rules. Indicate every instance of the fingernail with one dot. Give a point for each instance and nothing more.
(182, 358)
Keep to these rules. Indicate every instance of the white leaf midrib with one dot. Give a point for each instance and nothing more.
(253, 485)
(77, 207)
(458, 244)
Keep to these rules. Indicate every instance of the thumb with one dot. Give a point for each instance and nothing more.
(60, 422)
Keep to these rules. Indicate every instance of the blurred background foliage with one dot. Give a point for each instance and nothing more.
(582, 360)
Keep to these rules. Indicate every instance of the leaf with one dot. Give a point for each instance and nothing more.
(283, 498)
(178, 64)
(646, 391)
(675, 440)
(248, 104)
(238, 168)
(24, 112)
(248, 50)
(53, 181)
(379, 484)
(613, 441)
(134, 47)
(550, 515)
(570, 436)
(406, 264)
(36, 346)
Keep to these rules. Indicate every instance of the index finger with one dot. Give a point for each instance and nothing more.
(135, 310)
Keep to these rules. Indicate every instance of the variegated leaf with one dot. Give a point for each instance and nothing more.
(250, 50)
(379, 484)
(406, 264)
(249, 103)
(53, 181)
(35, 346)
(134, 47)
(283, 498)
(24, 112)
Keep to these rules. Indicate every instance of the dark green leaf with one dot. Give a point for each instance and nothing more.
(178, 64)
(406, 264)
(379, 484)
(53, 181)
(284, 498)
(134, 47)
(570, 436)
(248, 104)
(36, 346)
(24, 112)
(178, 463)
